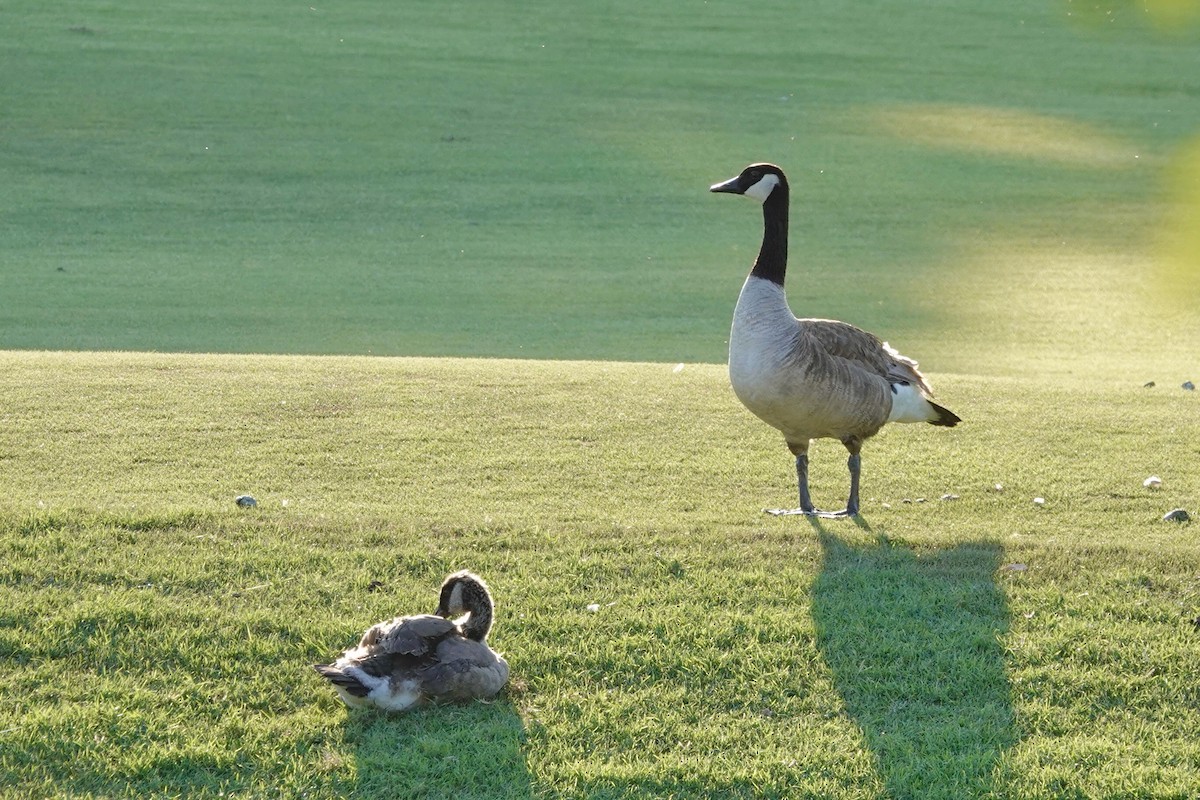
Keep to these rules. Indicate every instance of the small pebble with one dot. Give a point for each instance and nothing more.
(593, 607)
(245, 501)
(1039, 501)
(999, 487)
(950, 497)
(1191, 387)
(1176, 515)
(1153, 482)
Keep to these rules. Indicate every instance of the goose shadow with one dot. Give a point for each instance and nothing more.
(474, 749)
(912, 639)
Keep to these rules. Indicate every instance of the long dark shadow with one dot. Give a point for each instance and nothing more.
(912, 639)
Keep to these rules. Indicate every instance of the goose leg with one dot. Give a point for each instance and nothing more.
(854, 445)
(806, 506)
(854, 463)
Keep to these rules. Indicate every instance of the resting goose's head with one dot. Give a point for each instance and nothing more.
(465, 593)
(757, 181)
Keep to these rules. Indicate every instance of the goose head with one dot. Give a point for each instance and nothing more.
(757, 181)
(465, 593)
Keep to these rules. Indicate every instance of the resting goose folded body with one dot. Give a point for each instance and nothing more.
(410, 660)
(813, 378)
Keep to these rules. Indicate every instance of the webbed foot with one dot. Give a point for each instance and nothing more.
(790, 512)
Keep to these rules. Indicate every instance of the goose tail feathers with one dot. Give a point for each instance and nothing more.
(945, 417)
(910, 403)
(343, 680)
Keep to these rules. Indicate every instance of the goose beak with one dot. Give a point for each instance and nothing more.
(730, 186)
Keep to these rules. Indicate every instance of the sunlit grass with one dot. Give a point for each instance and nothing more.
(1011, 133)
(1179, 253)
(1053, 308)
(156, 639)
(1007, 192)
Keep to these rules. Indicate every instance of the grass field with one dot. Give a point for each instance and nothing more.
(406, 179)
(442, 286)
(156, 638)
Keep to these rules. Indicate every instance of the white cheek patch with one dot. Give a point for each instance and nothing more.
(762, 190)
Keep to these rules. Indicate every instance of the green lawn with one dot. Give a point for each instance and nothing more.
(1007, 192)
(529, 180)
(155, 638)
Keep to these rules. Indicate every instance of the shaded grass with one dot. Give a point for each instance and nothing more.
(155, 639)
(886, 612)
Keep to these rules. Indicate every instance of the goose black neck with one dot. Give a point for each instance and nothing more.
(477, 602)
(772, 256)
(479, 623)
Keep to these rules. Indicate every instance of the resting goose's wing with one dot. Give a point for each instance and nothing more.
(465, 669)
(414, 636)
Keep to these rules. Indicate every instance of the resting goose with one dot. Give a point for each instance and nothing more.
(410, 660)
(813, 378)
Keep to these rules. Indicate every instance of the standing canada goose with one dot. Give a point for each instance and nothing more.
(813, 378)
(411, 660)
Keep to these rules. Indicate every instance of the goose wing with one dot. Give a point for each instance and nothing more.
(403, 644)
(414, 636)
(865, 350)
(465, 669)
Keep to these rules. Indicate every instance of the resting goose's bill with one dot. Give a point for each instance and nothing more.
(411, 660)
(813, 378)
